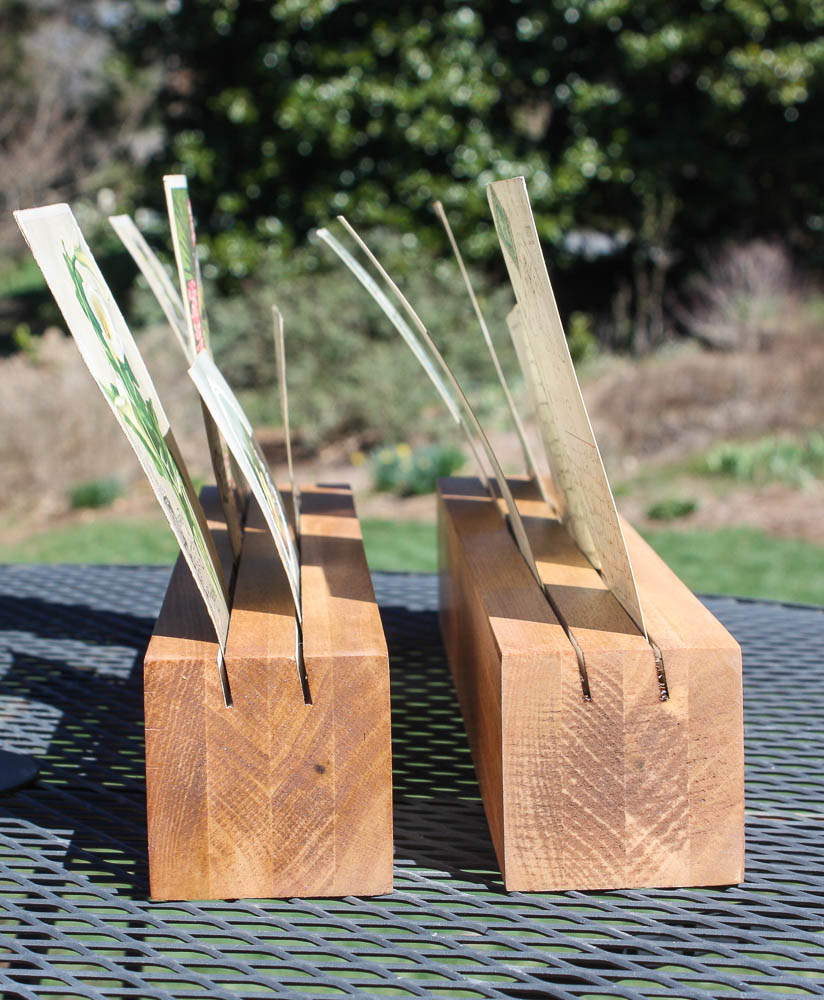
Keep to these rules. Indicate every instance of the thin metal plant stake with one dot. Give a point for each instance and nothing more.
(280, 358)
(529, 458)
(409, 338)
(515, 520)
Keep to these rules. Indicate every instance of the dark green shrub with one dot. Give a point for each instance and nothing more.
(411, 472)
(671, 509)
(95, 493)
(349, 371)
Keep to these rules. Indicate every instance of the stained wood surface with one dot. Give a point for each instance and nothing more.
(703, 669)
(348, 671)
(180, 660)
(509, 656)
(274, 796)
(621, 791)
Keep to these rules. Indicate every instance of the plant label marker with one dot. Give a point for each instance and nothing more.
(588, 507)
(184, 241)
(113, 358)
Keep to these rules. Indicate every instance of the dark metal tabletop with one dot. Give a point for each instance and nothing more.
(73, 872)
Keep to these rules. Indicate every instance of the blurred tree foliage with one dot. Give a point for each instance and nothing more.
(71, 105)
(72, 108)
(350, 374)
(647, 129)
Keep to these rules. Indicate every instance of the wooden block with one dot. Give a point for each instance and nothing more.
(274, 796)
(512, 664)
(702, 662)
(623, 790)
(181, 656)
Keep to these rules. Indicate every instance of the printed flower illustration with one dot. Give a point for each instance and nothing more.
(122, 388)
(184, 225)
(109, 330)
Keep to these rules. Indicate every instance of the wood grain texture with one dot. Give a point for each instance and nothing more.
(181, 656)
(703, 667)
(509, 658)
(348, 670)
(624, 790)
(274, 796)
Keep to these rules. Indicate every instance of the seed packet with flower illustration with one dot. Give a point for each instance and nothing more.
(111, 355)
(237, 432)
(184, 241)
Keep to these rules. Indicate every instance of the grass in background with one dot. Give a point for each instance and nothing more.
(405, 546)
(740, 561)
(797, 461)
(123, 540)
(745, 562)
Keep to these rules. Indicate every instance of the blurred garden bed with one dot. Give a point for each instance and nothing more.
(714, 449)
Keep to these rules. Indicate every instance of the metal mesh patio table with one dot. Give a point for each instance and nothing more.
(73, 867)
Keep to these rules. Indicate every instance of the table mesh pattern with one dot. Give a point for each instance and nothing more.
(73, 870)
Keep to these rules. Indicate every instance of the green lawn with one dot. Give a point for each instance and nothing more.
(129, 540)
(739, 561)
(744, 561)
(404, 546)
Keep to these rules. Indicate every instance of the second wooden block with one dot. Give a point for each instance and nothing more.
(616, 790)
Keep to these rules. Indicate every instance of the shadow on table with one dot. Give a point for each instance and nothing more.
(79, 622)
(91, 793)
(439, 818)
(86, 708)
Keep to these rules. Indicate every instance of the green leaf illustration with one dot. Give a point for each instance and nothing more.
(503, 227)
(180, 203)
(138, 413)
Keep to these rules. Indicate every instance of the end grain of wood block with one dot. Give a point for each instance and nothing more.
(291, 799)
(503, 642)
(180, 659)
(703, 667)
